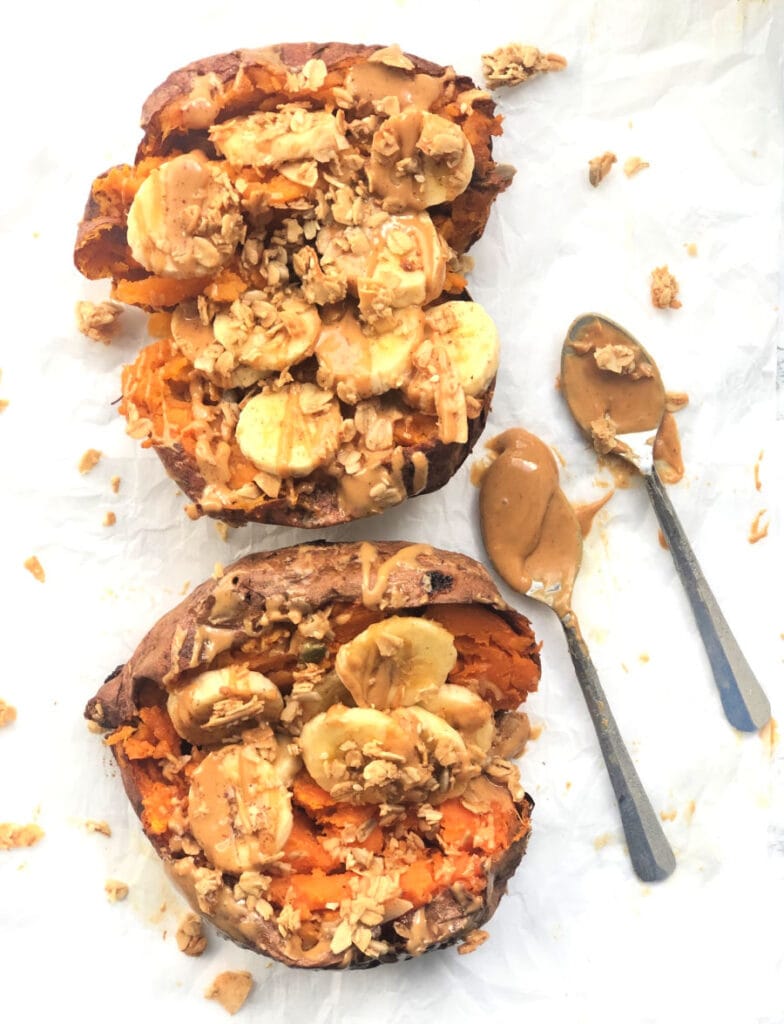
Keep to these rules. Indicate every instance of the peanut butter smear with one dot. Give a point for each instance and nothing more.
(529, 529)
(608, 376)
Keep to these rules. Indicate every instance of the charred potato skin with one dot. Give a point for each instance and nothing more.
(320, 574)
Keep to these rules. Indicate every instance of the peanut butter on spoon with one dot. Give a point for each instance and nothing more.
(534, 540)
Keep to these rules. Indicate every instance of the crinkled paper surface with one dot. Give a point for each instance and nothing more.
(693, 88)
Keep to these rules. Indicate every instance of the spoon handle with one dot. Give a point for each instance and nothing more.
(744, 701)
(650, 853)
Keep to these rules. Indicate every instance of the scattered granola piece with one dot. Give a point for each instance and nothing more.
(603, 434)
(758, 529)
(94, 727)
(670, 815)
(190, 935)
(115, 484)
(230, 989)
(633, 166)
(674, 401)
(14, 837)
(691, 248)
(599, 167)
(98, 826)
(757, 479)
(98, 320)
(109, 518)
(89, 460)
(664, 289)
(4, 403)
(473, 941)
(603, 840)
(115, 890)
(222, 529)
(514, 64)
(34, 566)
(7, 713)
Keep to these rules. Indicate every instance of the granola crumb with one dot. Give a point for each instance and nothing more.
(230, 989)
(7, 714)
(89, 460)
(634, 165)
(758, 530)
(98, 320)
(757, 478)
(599, 167)
(98, 826)
(4, 403)
(115, 484)
(691, 248)
(514, 64)
(664, 289)
(670, 815)
(115, 890)
(222, 529)
(94, 727)
(34, 567)
(15, 837)
(190, 936)
(473, 941)
(603, 840)
(109, 518)
(603, 432)
(674, 401)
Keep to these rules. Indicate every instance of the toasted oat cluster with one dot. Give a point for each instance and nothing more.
(296, 222)
(332, 786)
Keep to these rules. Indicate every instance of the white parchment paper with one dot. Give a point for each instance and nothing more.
(695, 89)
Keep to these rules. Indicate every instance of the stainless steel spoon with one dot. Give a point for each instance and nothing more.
(649, 851)
(743, 699)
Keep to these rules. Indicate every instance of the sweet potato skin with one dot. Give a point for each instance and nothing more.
(320, 574)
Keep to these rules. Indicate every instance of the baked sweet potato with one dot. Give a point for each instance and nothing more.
(320, 764)
(303, 213)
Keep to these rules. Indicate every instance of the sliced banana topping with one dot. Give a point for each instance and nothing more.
(292, 431)
(238, 808)
(288, 765)
(279, 138)
(360, 362)
(471, 340)
(447, 763)
(419, 159)
(395, 662)
(357, 754)
(217, 704)
(185, 218)
(269, 335)
(465, 711)
(434, 387)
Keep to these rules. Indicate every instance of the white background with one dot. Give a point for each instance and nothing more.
(695, 89)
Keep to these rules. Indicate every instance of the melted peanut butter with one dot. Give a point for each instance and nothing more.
(667, 452)
(374, 488)
(633, 404)
(375, 80)
(529, 528)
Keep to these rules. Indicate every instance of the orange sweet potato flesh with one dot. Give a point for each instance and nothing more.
(493, 659)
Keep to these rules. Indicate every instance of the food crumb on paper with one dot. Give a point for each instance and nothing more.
(599, 167)
(769, 734)
(222, 529)
(603, 840)
(98, 826)
(190, 935)
(670, 815)
(116, 891)
(7, 714)
(674, 401)
(89, 460)
(758, 529)
(664, 289)
(98, 321)
(757, 480)
(473, 941)
(35, 568)
(4, 403)
(633, 166)
(109, 519)
(15, 837)
(230, 989)
(514, 64)
(115, 484)
(691, 248)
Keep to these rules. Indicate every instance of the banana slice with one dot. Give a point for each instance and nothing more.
(278, 137)
(238, 808)
(358, 754)
(286, 764)
(434, 387)
(290, 432)
(395, 662)
(465, 711)
(218, 703)
(442, 752)
(471, 340)
(419, 159)
(360, 363)
(269, 335)
(406, 266)
(185, 218)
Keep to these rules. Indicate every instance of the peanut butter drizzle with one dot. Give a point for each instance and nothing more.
(421, 466)
(372, 594)
(375, 80)
(529, 528)
(667, 452)
(420, 935)
(632, 404)
(585, 513)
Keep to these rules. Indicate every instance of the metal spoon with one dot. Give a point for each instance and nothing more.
(744, 702)
(547, 574)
